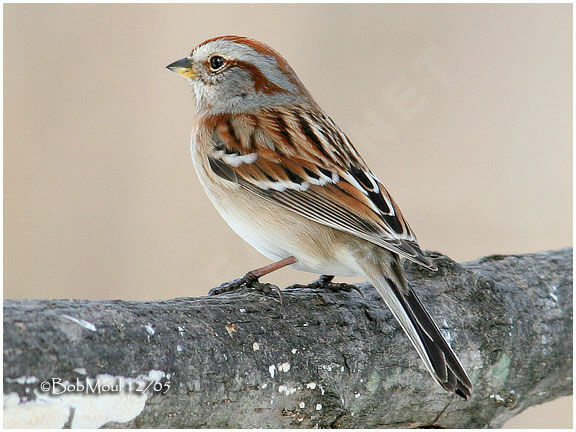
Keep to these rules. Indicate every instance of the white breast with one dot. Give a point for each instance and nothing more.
(274, 232)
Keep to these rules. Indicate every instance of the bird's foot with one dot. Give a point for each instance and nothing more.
(246, 281)
(249, 280)
(325, 282)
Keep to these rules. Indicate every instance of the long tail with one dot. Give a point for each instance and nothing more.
(437, 355)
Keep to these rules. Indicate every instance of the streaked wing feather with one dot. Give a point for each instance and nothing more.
(307, 165)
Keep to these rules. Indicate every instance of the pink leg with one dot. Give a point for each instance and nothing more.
(252, 276)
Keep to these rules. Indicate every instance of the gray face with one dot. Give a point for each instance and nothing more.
(246, 80)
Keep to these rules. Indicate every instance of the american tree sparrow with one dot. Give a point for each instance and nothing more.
(289, 182)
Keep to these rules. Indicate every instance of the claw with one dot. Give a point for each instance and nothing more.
(343, 287)
(245, 281)
(266, 288)
(325, 282)
(250, 279)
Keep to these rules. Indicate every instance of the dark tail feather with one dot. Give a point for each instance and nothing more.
(448, 370)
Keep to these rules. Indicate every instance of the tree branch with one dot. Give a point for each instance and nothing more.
(319, 358)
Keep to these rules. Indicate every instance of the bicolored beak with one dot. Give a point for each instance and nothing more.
(183, 67)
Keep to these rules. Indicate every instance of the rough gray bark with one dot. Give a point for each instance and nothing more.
(318, 359)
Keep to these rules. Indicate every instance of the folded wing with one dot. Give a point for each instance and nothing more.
(299, 159)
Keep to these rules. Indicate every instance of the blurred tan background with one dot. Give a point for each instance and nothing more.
(464, 111)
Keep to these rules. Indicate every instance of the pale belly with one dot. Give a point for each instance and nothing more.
(278, 234)
(289, 236)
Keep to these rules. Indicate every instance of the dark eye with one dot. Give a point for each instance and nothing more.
(216, 62)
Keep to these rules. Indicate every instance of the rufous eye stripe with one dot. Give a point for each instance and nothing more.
(264, 49)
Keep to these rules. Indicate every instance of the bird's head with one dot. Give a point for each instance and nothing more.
(233, 74)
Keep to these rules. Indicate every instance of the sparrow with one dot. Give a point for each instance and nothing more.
(288, 181)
